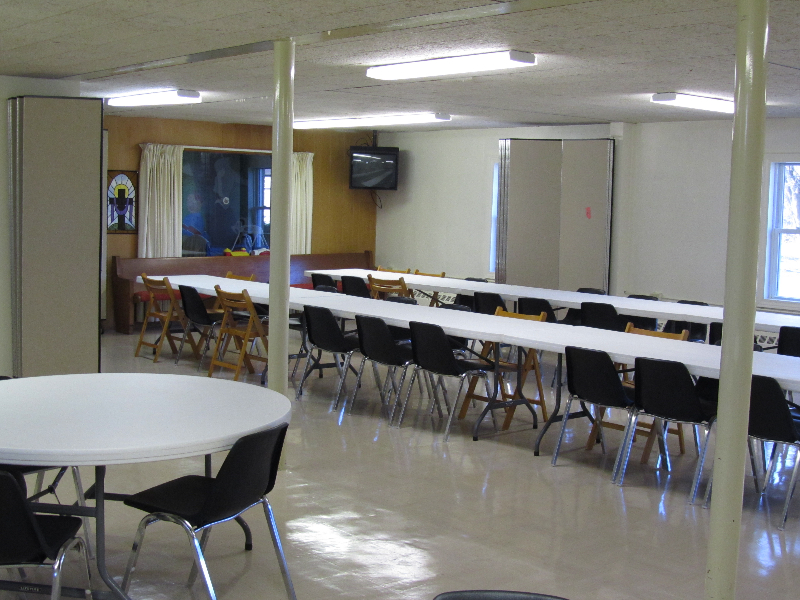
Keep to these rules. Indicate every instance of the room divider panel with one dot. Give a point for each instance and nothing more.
(56, 151)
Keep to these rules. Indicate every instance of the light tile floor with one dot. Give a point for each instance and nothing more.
(367, 511)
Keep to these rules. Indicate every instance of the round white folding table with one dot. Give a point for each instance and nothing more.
(102, 419)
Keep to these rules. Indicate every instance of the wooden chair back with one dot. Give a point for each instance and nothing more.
(380, 288)
(230, 275)
(435, 295)
(682, 336)
(406, 272)
(499, 312)
(243, 334)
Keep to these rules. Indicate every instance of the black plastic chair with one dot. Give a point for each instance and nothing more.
(355, 286)
(536, 306)
(465, 300)
(697, 331)
(378, 345)
(433, 353)
(457, 343)
(326, 288)
(771, 420)
(789, 341)
(318, 279)
(400, 334)
(325, 334)
(494, 595)
(33, 540)
(601, 316)
(666, 391)
(487, 302)
(649, 323)
(573, 316)
(592, 378)
(197, 319)
(197, 503)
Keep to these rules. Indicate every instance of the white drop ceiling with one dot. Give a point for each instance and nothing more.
(598, 61)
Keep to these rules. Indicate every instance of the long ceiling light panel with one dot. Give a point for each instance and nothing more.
(690, 101)
(454, 65)
(157, 98)
(377, 121)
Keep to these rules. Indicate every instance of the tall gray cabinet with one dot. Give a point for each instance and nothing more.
(56, 152)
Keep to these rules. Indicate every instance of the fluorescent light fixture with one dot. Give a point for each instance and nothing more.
(377, 121)
(454, 65)
(698, 102)
(157, 98)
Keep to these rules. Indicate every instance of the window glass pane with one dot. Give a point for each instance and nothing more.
(789, 266)
(790, 192)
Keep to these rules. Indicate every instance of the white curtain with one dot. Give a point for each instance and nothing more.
(302, 203)
(160, 201)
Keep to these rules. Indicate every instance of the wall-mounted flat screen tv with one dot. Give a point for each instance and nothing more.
(373, 168)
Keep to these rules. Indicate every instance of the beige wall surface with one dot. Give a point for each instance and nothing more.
(11, 87)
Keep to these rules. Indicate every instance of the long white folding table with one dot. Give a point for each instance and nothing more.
(102, 419)
(700, 359)
(765, 321)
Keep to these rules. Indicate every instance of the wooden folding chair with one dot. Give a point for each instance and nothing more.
(380, 288)
(642, 428)
(243, 335)
(435, 296)
(531, 363)
(406, 272)
(160, 290)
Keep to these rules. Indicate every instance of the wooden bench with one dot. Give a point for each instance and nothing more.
(124, 272)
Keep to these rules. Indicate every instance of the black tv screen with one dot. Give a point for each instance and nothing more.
(373, 168)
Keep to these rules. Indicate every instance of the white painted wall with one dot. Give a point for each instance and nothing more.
(669, 228)
(439, 219)
(11, 87)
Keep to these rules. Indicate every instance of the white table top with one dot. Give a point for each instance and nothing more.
(116, 418)
(259, 292)
(765, 321)
(700, 359)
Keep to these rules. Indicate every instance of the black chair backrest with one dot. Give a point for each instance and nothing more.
(642, 297)
(355, 286)
(592, 291)
(193, 306)
(465, 300)
(322, 279)
(601, 316)
(456, 306)
(323, 329)
(494, 595)
(536, 306)
(770, 418)
(376, 340)
(789, 341)
(650, 323)
(665, 388)
(247, 474)
(21, 540)
(697, 331)
(715, 333)
(432, 350)
(401, 299)
(487, 302)
(326, 288)
(591, 376)
(478, 279)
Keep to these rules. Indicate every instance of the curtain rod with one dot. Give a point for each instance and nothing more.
(211, 148)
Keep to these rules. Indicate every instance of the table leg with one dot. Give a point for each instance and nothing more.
(100, 526)
(495, 388)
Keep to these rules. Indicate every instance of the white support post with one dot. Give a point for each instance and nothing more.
(740, 299)
(280, 202)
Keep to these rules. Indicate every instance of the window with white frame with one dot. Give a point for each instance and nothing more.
(782, 255)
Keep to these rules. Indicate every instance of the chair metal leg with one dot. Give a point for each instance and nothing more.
(58, 563)
(564, 419)
(358, 383)
(276, 542)
(753, 466)
(183, 341)
(199, 559)
(203, 543)
(663, 449)
(137, 546)
(790, 491)
(624, 462)
(621, 452)
(454, 407)
(398, 393)
(770, 468)
(87, 523)
(408, 397)
(699, 470)
(345, 368)
(306, 372)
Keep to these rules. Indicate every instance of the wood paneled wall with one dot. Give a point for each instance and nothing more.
(344, 219)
